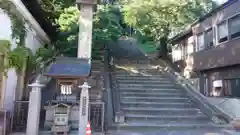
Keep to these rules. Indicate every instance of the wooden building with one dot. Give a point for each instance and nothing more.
(216, 52)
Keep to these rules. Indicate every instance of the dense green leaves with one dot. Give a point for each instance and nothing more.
(106, 27)
(18, 23)
(157, 19)
(54, 8)
(153, 20)
(68, 19)
(15, 58)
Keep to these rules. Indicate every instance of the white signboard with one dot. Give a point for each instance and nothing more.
(217, 83)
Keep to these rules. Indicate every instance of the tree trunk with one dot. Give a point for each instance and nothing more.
(162, 51)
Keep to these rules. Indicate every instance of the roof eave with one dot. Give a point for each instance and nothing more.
(28, 16)
(180, 36)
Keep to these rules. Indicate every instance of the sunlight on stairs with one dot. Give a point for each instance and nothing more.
(154, 105)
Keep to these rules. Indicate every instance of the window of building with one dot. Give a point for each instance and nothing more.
(1, 68)
(214, 35)
(200, 42)
(205, 88)
(177, 53)
(222, 32)
(231, 87)
(190, 46)
(209, 38)
(217, 88)
(184, 48)
(234, 26)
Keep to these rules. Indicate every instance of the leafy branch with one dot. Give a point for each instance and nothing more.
(14, 58)
(17, 22)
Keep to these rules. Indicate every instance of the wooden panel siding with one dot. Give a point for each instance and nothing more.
(1, 77)
(227, 74)
(225, 54)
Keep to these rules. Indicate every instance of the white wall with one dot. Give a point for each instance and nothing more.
(5, 33)
(31, 41)
(220, 1)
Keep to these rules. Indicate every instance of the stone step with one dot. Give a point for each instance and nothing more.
(168, 131)
(147, 85)
(139, 75)
(167, 118)
(137, 72)
(155, 104)
(152, 94)
(142, 78)
(168, 127)
(156, 99)
(169, 122)
(146, 81)
(161, 111)
(152, 90)
(42, 132)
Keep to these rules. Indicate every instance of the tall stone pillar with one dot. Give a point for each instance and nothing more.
(85, 28)
(83, 108)
(34, 109)
(84, 52)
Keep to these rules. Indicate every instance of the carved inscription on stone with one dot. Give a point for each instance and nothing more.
(84, 103)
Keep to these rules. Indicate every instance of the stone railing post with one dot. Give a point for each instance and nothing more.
(83, 108)
(34, 109)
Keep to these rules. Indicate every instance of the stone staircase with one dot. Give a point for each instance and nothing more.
(153, 104)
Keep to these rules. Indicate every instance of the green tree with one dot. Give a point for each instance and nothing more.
(15, 58)
(157, 19)
(21, 55)
(54, 8)
(106, 27)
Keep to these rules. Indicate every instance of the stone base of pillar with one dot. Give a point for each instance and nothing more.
(60, 129)
(120, 117)
(236, 124)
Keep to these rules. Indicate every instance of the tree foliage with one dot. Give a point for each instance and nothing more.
(17, 57)
(106, 24)
(106, 27)
(54, 8)
(157, 19)
(152, 19)
(17, 22)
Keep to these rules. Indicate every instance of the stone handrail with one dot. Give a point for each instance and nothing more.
(112, 95)
(229, 104)
(115, 99)
(109, 113)
(208, 108)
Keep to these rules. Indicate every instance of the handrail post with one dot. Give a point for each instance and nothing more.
(34, 109)
(107, 88)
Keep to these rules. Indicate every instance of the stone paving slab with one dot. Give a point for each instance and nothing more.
(75, 133)
(189, 132)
